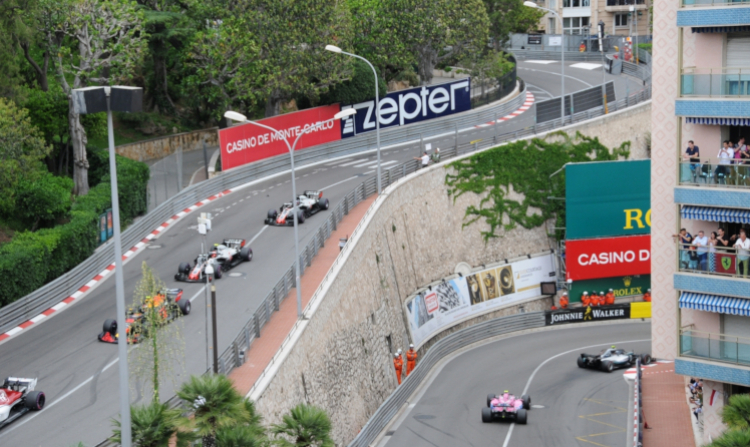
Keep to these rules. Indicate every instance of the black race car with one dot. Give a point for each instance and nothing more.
(168, 303)
(222, 257)
(309, 203)
(612, 358)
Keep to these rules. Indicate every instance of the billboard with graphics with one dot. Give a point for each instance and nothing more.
(622, 286)
(604, 199)
(607, 257)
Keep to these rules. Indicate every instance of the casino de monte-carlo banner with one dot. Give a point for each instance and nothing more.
(607, 257)
(457, 299)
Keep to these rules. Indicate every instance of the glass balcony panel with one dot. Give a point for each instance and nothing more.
(715, 82)
(736, 175)
(717, 347)
(708, 3)
(728, 262)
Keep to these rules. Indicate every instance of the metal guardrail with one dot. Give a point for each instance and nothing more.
(638, 406)
(438, 351)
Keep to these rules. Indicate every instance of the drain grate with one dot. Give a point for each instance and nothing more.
(423, 417)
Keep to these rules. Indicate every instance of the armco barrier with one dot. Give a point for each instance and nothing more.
(437, 352)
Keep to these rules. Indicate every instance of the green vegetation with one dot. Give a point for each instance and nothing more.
(646, 47)
(523, 167)
(736, 416)
(306, 426)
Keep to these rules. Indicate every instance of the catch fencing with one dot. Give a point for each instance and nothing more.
(580, 101)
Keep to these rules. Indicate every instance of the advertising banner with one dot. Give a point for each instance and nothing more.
(611, 198)
(621, 286)
(475, 294)
(583, 314)
(247, 142)
(410, 106)
(607, 257)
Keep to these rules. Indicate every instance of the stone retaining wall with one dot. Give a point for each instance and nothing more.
(342, 361)
(163, 146)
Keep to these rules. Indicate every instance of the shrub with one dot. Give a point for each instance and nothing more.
(43, 200)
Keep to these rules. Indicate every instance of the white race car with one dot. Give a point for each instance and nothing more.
(222, 257)
(309, 203)
(17, 397)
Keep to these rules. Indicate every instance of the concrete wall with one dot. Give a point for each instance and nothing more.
(341, 359)
(163, 146)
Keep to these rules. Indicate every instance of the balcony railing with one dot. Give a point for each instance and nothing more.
(625, 2)
(689, 3)
(718, 347)
(715, 82)
(711, 172)
(714, 260)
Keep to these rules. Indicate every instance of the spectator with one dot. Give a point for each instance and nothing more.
(425, 159)
(693, 154)
(712, 243)
(724, 241)
(436, 155)
(692, 258)
(342, 242)
(701, 242)
(743, 253)
(743, 154)
(726, 153)
(698, 409)
(684, 239)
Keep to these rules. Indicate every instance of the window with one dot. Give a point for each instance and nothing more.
(621, 20)
(576, 3)
(552, 25)
(575, 25)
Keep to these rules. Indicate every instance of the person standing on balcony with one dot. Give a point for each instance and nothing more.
(743, 253)
(693, 154)
(684, 239)
(701, 242)
(743, 153)
(726, 154)
(712, 243)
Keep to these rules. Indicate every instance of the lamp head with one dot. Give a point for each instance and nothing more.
(235, 116)
(530, 4)
(333, 48)
(345, 113)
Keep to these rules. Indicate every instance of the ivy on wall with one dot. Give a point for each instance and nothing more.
(526, 167)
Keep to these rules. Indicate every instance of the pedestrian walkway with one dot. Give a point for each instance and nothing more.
(278, 327)
(665, 408)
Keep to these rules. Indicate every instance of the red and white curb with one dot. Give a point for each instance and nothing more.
(526, 106)
(110, 268)
(631, 373)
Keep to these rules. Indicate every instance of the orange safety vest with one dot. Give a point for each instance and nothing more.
(586, 300)
(564, 302)
(398, 363)
(609, 299)
(411, 355)
(647, 297)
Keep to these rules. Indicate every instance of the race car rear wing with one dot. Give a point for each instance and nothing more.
(17, 382)
(234, 243)
(313, 194)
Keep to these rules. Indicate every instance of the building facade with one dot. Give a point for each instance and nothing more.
(581, 16)
(701, 290)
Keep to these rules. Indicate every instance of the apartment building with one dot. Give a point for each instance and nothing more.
(701, 289)
(581, 16)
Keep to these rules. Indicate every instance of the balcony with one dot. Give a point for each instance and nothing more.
(727, 17)
(727, 262)
(624, 5)
(715, 82)
(709, 172)
(714, 3)
(717, 347)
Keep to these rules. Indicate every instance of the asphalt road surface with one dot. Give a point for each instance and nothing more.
(78, 373)
(570, 406)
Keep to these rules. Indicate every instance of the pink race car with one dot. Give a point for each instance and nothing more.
(506, 406)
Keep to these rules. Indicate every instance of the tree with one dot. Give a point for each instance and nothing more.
(510, 16)
(486, 65)
(15, 33)
(248, 432)
(22, 150)
(109, 41)
(43, 200)
(427, 28)
(307, 425)
(217, 406)
(732, 438)
(154, 425)
(736, 413)
(360, 88)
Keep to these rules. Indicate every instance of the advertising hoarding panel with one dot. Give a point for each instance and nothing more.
(607, 257)
(622, 286)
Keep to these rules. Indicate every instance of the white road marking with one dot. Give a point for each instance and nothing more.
(530, 86)
(368, 172)
(339, 161)
(388, 163)
(257, 234)
(540, 62)
(586, 66)
(197, 293)
(365, 164)
(338, 183)
(353, 162)
(531, 377)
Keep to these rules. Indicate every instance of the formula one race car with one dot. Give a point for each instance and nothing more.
(611, 358)
(17, 397)
(222, 257)
(506, 407)
(309, 203)
(169, 305)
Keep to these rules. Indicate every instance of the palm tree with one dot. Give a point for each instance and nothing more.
(736, 413)
(154, 425)
(238, 436)
(307, 425)
(732, 438)
(216, 403)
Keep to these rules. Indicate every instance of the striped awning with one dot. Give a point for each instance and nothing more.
(715, 303)
(718, 121)
(715, 214)
(721, 29)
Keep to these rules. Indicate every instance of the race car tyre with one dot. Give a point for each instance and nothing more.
(217, 271)
(645, 359)
(581, 362)
(246, 254)
(185, 306)
(35, 400)
(301, 217)
(184, 268)
(486, 415)
(608, 366)
(526, 399)
(272, 214)
(489, 399)
(110, 326)
(521, 417)
(323, 204)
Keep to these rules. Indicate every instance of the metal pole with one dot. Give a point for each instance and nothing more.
(208, 364)
(122, 345)
(205, 157)
(296, 234)
(164, 172)
(213, 323)
(600, 32)
(179, 168)
(562, 69)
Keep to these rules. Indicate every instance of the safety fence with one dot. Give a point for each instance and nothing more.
(581, 101)
(637, 406)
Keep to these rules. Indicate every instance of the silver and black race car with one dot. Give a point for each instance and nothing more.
(17, 397)
(612, 358)
(309, 203)
(222, 257)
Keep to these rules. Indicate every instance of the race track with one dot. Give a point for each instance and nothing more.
(78, 373)
(570, 406)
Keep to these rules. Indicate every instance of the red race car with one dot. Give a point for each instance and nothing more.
(17, 397)
(168, 303)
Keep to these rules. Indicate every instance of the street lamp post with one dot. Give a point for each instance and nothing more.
(119, 99)
(531, 4)
(235, 116)
(335, 49)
